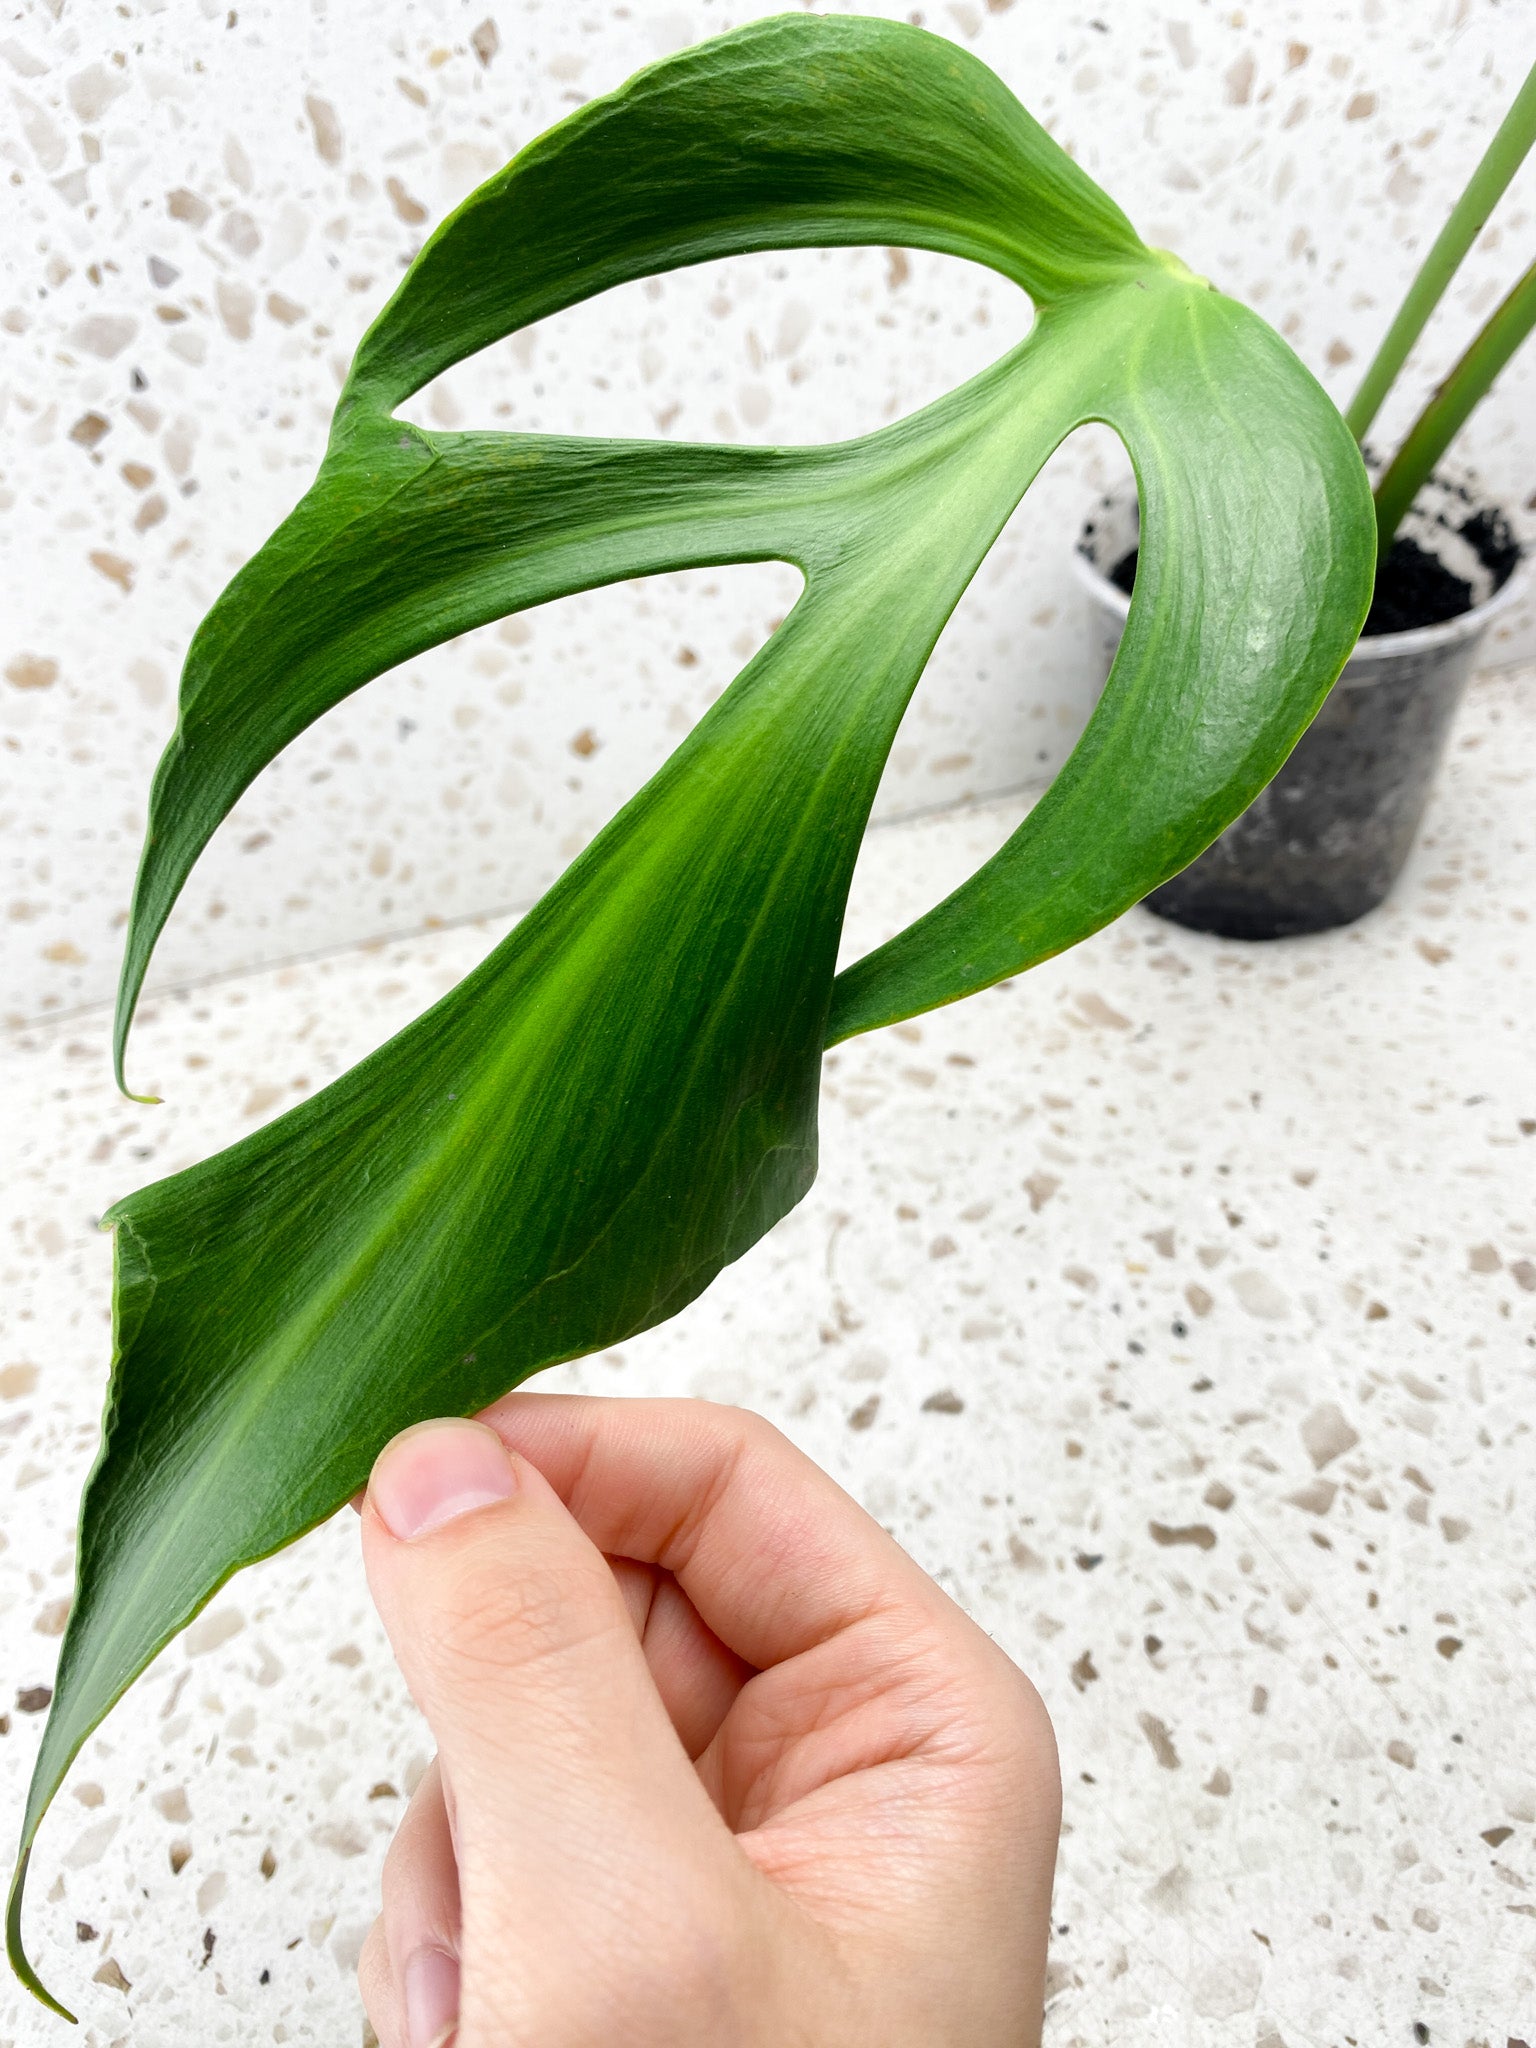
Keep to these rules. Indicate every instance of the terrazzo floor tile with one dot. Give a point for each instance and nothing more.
(1174, 1304)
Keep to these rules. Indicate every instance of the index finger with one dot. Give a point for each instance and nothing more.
(773, 1554)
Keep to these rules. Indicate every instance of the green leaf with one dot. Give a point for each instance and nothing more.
(622, 1098)
(1247, 600)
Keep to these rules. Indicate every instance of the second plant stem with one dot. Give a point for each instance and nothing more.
(1502, 158)
(1446, 413)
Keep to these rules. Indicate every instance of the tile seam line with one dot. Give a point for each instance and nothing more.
(46, 1020)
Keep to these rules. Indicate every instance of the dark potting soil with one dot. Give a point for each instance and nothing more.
(1413, 588)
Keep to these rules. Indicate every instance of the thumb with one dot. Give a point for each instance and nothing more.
(561, 1766)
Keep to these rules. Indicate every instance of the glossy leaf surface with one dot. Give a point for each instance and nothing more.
(622, 1098)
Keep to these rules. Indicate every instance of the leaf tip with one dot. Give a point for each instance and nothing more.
(120, 1076)
(17, 1955)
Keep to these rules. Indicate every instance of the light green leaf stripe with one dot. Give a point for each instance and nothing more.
(622, 1098)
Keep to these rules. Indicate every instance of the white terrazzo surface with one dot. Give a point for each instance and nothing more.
(1176, 1305)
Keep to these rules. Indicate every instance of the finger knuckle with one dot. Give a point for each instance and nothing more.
(753, 1434)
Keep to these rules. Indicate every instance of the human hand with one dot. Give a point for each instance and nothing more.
(718, 1765)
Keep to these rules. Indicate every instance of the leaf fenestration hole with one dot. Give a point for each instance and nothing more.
(460, 784)
(1006, 693)
(793, 347)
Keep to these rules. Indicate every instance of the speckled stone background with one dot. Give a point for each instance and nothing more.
(205, 204)
(1174, 1305)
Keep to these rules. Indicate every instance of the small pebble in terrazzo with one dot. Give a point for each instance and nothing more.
(1326, 1434)
(1156, 1731)
(1200, 1534)
(1316, 1497)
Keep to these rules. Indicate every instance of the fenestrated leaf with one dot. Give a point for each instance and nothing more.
(622, 1098)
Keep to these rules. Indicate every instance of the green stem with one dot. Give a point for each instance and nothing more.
(1442, 419)
(1502, 158)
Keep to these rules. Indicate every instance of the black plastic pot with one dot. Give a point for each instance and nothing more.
(1326, 840)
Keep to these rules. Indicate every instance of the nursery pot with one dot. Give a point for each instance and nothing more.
(1325, 841)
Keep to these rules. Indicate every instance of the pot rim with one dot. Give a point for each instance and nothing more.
(1378, 648)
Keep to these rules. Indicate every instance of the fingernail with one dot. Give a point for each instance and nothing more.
(436, 1471)
(431, 1998)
